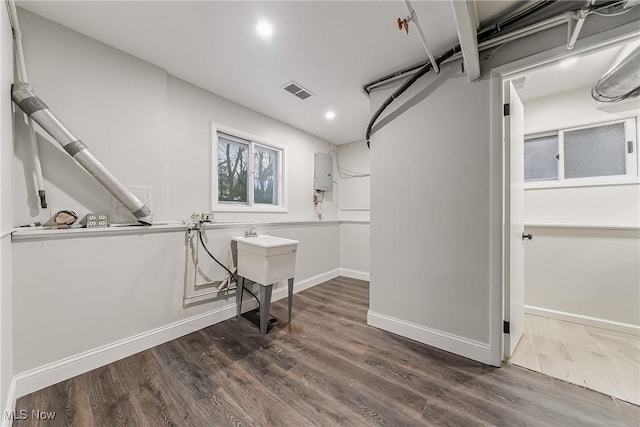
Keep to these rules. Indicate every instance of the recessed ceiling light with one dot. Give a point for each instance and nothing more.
(568, 62)
(264, 29)
(330, 115)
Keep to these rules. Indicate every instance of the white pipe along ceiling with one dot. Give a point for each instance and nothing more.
(575, 27)
(413, 16)
(497, 35)
(467, 27)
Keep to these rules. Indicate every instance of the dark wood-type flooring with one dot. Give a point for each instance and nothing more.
(326, 368)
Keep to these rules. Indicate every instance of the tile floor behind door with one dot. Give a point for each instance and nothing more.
(601, 360)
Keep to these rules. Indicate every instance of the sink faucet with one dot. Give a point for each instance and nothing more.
(251, 233)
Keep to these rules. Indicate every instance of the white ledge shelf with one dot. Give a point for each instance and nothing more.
(37, 233)
(580, 183)
(586, 226)
(42, 234)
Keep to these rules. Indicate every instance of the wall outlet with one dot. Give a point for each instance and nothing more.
(95, 220)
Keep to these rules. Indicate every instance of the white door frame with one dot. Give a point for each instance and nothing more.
(498, 278)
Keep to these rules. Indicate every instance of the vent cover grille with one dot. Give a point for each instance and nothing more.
(292, 88)
(297, 90)
(303, 94)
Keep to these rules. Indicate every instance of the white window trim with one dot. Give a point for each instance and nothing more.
(631, 160)
(253, 140)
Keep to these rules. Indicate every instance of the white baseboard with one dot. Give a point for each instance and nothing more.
(10, 404)
(305, 284)
(52, 373)
(610, 325)
(44, 376)
(354, 274)
(474, 350)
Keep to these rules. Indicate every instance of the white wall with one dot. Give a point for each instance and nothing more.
(6, 184)
(430, 211)
(355, 248)
(149, 128)
(436, 206)
(587, 274)
(353, 202)
(189, 181)
(92, 291)
(584, 275)
(573, 108)
(114, 102)
(96, 297)
(353, 193)
(612, 205)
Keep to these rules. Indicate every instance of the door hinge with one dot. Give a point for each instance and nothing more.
(629, 147)
(505, 327)
(506, 109)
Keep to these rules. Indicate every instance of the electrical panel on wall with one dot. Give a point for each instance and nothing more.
(322, 172)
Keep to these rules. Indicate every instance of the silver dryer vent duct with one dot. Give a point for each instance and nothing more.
(23, 95)
(623, 81)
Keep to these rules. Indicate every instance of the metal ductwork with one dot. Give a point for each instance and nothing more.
(623, 81)
(23, 95)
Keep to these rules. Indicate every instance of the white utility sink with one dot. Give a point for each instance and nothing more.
(266, 259)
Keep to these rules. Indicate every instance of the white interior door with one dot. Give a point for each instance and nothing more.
(514, 218)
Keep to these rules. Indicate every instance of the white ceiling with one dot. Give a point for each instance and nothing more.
(584, 72)
(331, 48)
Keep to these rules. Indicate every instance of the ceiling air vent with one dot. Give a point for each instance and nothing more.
(297, 90)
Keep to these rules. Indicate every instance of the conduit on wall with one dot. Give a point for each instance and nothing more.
(22, 76)
(22, 94)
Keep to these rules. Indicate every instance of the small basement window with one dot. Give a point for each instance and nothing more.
(588, 155)
(540, 161)
(248, 173)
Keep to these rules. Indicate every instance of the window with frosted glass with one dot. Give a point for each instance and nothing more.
(540, 158)
(265, 173)
(233, 163)
(596, 151)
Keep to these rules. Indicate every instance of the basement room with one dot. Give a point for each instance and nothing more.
(320, 213)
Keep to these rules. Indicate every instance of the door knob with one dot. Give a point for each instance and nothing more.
(527, 236)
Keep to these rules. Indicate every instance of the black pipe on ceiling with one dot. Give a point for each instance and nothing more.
(535, 12)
